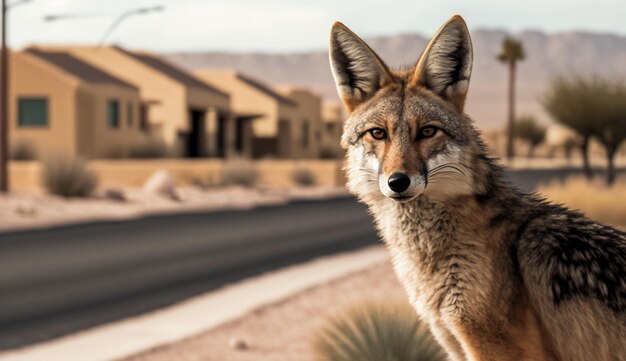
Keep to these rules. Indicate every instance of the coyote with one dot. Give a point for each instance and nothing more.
(497, 274)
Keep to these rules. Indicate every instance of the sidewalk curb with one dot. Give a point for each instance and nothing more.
(130, 336)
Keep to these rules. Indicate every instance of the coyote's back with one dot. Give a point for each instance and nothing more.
(498, 275)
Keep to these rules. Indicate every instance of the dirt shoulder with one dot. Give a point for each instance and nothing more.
(282, 331)
(33, 210)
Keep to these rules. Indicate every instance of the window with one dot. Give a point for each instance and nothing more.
(129, 115)
(32, 112)
(113, 114)
(305, 134)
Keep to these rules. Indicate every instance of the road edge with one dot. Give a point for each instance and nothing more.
(190, 317)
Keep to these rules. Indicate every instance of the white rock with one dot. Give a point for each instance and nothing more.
(237, 343)
(161, 182)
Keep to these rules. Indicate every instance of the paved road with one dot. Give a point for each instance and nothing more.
(60, 280)
(63, 279)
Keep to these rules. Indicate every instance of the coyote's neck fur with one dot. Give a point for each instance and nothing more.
(497, 274)
(444, 246)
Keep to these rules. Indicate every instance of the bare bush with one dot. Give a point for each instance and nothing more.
(68, 177)
(150, 148)
(303, 177)
(239, 172)
(23, 150)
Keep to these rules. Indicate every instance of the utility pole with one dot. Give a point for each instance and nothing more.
(4, 105)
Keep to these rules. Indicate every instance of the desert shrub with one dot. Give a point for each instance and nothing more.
(115, 153)
(594, 198)
(149, 148)
(303, 177)
(239, 172)
(23, 150)
(372, 331)
(68, 177)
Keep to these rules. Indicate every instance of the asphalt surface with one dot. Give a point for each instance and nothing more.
(60, 280)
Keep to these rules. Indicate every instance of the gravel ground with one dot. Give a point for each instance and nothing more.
(30, 210)
(282, 331)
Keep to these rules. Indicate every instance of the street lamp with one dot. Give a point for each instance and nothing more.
(114, 25)
(4, 96)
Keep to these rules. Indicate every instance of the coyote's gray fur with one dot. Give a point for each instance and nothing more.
(498, 275)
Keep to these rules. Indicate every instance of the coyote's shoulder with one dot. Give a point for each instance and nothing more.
(572, 256)
(497, 274)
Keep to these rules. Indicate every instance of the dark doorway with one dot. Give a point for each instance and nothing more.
(222, 123)
(240, 124)
(195, 138)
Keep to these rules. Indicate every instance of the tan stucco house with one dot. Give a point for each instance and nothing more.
(332, 129)
(306, 123)
(62, 105)
(264, 119)
(179, 108)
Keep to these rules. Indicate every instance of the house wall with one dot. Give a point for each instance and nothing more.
(167, 112)
(96, 139)
(332, 129)
(308, 111)
(32, 77)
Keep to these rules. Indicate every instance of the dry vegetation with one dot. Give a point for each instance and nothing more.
(239, 172)
(595, 199)
(376, 331)
(68, 177)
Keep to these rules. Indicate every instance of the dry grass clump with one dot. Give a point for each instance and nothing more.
(303, 177)
(150, 148)
(595, 199)
(376, 331)
(68, 177)
(240, 172)
(23, 150)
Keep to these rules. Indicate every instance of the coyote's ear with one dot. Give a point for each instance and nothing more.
(358, 71)
(445, 66)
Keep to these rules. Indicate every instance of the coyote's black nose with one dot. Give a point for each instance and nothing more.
(399, 182)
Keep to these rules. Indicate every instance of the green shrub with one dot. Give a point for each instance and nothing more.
(303, 177)
(68, 177)
(376, 332)
(23, 150)
(239, 172)
(149, 148)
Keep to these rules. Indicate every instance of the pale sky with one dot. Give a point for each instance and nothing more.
(293, 25)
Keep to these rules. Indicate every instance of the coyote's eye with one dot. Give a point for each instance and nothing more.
(428, 131)
(378, 133)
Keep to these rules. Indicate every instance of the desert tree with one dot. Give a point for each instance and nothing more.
(611, 127)
(529, 130)
(568, 146)
(512, 52)
(574, 103)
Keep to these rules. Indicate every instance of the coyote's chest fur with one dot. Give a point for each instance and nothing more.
(439, 263)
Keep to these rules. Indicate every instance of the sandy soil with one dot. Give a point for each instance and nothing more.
(282, 331)
(29, 210)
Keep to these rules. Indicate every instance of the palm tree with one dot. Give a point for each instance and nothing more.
(512, 51)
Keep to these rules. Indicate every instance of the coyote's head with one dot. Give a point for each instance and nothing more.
(406, 133)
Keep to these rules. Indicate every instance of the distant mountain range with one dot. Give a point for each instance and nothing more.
(547, 56)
